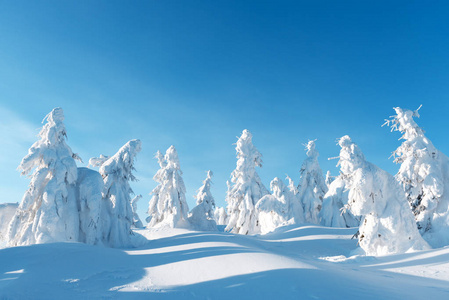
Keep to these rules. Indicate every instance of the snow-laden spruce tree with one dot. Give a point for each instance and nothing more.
(202, 215)
(246, 189)
(168, 206)
(117, 172)
(137, 223)
(48, 211)
(273, 210)
(295, 209)
(312, 186)
(387, 225)
(424, 175)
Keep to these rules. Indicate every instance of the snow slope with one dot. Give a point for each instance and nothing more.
(305, 262)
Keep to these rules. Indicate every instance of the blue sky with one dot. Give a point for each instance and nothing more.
(196, 73)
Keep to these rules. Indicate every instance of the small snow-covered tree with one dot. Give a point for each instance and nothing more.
(312, 187)
(273, 209)
(168, 205)
(295, 209)
(202, 215)
(137, 223)
(220, 215)
(247, 188)
(332, 213)
(7, 212)
(48, 211)
(159, 177)
(89, 188)
(387, 225)
(329, 178)
(204, 196)
(117, 172)
(424, 175)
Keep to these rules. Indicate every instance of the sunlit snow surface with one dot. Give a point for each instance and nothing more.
(306, 262)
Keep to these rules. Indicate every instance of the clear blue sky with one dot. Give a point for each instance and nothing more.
(196, 73)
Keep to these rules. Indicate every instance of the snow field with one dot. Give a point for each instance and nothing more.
(295, 262)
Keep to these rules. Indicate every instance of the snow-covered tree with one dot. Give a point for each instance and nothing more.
(220, 216)
(295, 209)
(48, 211)
(202, 215)
(424, 175)
(387, 225)
(137, 223)
(204, 196)
(273, 210)
(89, 188)
(155, 202)
(168, 205)
(7, 212)
(247, 188)
(312, 186)
(117, 172)
(332, 213)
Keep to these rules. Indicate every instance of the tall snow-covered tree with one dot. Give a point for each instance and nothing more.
(387, 225)
(117, 172)
(202, 215)
(312, 186)
(137, 223)
(168, 206)
(424, 175)
(48, 211)
(295, 209)
(246, 189)
(273, 210)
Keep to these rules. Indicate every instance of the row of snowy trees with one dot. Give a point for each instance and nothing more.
(66, 203)
(395, 214)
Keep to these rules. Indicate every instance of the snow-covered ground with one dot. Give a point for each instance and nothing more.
(305, 262)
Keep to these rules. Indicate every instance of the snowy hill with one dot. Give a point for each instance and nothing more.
(307, 262)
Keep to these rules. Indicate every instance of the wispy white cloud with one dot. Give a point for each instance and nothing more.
(16, 136)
